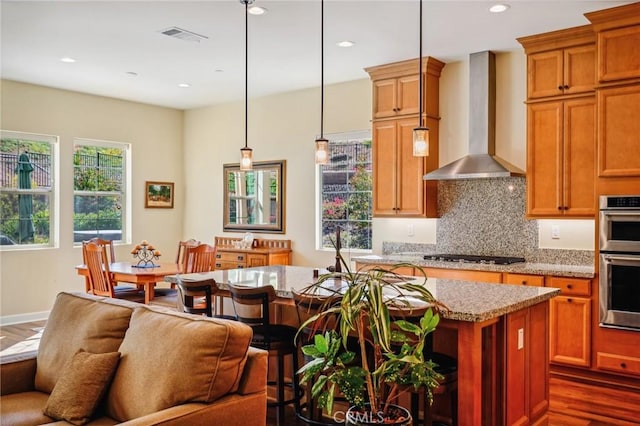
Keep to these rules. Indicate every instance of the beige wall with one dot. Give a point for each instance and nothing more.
(30, 279)
(190, 149)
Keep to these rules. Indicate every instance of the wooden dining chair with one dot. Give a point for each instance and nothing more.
(110, 251)
(181, 255)
(196, 297)
(100, 278)
(201, 258)
(251, 306)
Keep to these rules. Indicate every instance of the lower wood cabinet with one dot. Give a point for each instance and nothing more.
(523, 279)
(570, 322)
(266, 252)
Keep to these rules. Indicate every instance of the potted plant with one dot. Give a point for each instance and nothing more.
(390, 317)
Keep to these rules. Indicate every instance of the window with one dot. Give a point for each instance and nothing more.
(346, 191)
(101, 190)
(28, 189)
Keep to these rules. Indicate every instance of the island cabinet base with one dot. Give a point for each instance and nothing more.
(503, 367)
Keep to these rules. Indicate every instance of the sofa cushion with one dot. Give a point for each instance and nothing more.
(24, 409)
(79, 321)
(81, 386)
(169, 358)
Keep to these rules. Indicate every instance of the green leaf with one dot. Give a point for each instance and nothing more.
(318, 385)
(408, 326)
(321, 343)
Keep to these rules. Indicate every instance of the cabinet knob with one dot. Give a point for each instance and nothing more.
(560, 87)
(218, 265)
(524, 282)
(569, 286)
(559, 207)
(218, 256)
(623, 365)
(569, 300)
(566, 86)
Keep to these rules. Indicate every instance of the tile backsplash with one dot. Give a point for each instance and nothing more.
(487, 217)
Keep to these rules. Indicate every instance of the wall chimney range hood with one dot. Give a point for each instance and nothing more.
(481, 162)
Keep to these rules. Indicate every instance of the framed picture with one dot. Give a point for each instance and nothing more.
(158, 195)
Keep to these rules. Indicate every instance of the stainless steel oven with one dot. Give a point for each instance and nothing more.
(620, 261)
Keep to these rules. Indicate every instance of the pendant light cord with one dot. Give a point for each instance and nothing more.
(322, 69)
(420, 70)
(246, 73)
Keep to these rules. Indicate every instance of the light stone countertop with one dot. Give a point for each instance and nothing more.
(560, 270)
(466, 300)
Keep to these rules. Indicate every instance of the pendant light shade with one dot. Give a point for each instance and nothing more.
(420, 133)
(246, 153)
(322, 144)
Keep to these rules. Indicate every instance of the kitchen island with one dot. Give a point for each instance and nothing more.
(501, 339)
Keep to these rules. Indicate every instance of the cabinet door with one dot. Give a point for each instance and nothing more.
(411, 186)
(254, 260)
(545, 74)
(579, 158)
(619, 131)
(570, 331)
(544, 159)
(618, 53)
(384, 168)
(579, 69)
(408, 99)
(385, 103)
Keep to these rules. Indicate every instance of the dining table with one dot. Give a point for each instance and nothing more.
(142, 276)
(500, 337)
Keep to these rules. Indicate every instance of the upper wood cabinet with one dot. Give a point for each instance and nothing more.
(561, 123)
(398, 187)
(618, 38)
(618, 94)
(560, 63)
(396, 96)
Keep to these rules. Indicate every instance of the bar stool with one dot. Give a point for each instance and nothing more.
(251, 306)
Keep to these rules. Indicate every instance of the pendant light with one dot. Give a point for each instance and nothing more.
(322, 144)
(420, 133)
(246, 159)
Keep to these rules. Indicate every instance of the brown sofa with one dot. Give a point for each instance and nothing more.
(174, 368)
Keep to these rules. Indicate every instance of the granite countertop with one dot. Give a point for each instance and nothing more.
(466, 300)
(561, 270)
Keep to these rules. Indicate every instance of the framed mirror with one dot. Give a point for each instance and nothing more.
(254, 199)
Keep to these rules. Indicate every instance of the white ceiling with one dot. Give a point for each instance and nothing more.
(110, 38)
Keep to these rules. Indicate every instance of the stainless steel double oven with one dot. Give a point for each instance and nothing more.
(620, 261)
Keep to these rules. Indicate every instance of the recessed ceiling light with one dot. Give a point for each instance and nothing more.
(67, 60)
(219, 70)
(184, 85)
(132, 73)
(257, 10)
(498, 8)
(345, 43)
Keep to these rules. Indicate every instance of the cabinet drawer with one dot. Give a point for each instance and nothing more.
(618, 363)
(222, 256)
(465, 275)
(571, 286)
(523, 279)
(229, 265)
(618, 55)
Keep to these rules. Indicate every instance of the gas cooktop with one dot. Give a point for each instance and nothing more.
(467, 258)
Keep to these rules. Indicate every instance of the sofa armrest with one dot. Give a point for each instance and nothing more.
(254, 376)
(18, 373)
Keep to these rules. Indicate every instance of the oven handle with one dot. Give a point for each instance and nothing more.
(611, 257)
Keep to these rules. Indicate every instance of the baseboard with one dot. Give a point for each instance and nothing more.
(20, 318)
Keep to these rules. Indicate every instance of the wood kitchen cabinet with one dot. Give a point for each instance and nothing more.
(561, 157)
(394, 97)
(561, 62)
(570, 322)
(398, 187)
(561, 123)
(618, 91)
(523, 279)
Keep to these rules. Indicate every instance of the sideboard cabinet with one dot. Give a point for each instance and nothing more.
(264, 252)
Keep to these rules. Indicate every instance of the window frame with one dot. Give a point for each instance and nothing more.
(53, 192)
(336, 138)
(125, 147)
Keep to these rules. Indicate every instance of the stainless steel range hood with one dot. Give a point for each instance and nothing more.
(481, 162)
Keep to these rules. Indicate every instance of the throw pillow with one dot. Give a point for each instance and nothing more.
(81, 386)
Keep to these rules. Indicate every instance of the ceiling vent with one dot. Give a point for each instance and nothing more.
(183, 34)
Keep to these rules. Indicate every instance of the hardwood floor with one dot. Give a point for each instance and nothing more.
(571, 403)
